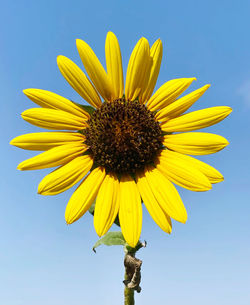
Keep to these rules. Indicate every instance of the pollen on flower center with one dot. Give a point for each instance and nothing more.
(123, 136)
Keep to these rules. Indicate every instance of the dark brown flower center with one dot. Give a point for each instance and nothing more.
(123, 136)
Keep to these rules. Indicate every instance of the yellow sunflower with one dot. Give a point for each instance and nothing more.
(127, 149)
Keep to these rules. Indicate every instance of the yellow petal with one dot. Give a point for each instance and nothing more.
(46, 140)
(166, 194)
(138, 70)
(130, 213)
(156, 55)
(181, 172)
(181, 105)
(213, 175)
(197, 119)
(53, 119)
(84, 195)
(51, 100)
(53, 157)
(151, 203)
(95, 69)
(107, 204)
(65, 176)
(78, 81)
(168, 92)
(195, 143)
(114, 65)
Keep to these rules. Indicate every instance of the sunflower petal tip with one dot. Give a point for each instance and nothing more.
(144, 40)
(40, 190)
(110, 33)
(19, 167)
(184, 218)
(99, 234)
(67, 220)
(210, 187)
(219, 179)
(27, 92)
(60, 58)
(78, 42)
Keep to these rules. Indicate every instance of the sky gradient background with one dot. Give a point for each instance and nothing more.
(205, 261)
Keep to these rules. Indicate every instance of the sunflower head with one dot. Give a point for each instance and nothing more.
(131, 149)
(123, 136)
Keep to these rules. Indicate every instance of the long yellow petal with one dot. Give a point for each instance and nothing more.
(156, 54)
(52, 100)
(78, 81)
(130, 212)
(46, 140)
(53, 157)
(84, 195)
(53, 119)
(213, 175)
(95, 70)
(166, 194)
(138, 70)
(151, 203)
(107, 204)
(195, 143)
(181, 172)
(114, 65)
(65, 176)
(181, 105)
(197, 119)
(168, 92)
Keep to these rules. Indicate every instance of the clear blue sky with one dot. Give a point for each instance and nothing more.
(205, 261)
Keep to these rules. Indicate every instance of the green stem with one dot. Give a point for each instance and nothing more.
(128, 294)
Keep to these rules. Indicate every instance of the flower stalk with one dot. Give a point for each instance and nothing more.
(128, 293)
(132, 277)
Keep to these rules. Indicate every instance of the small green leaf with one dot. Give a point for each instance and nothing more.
(87, 108)
(117, 221)
(111, 239)
(165, 133)
(92, 208)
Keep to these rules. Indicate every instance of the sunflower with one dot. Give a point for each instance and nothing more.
(129, 147)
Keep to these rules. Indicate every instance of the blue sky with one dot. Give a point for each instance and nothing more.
(205, 261)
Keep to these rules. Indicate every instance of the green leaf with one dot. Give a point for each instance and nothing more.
(87, 108)
(117, 221)
(165, 133)
(92, 208)
(111, 239)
